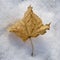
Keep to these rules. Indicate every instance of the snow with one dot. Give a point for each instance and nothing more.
(47, 47)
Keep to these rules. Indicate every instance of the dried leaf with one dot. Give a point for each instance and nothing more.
(29, 26)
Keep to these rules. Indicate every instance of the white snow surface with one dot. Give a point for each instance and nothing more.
(46, 47)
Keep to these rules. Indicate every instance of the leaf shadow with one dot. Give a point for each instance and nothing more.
(15, 41)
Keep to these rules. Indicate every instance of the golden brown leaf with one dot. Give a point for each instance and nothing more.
(29, 26)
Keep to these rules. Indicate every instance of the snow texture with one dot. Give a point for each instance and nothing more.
(47, 47)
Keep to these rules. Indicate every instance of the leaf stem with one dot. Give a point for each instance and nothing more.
(32, 47)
